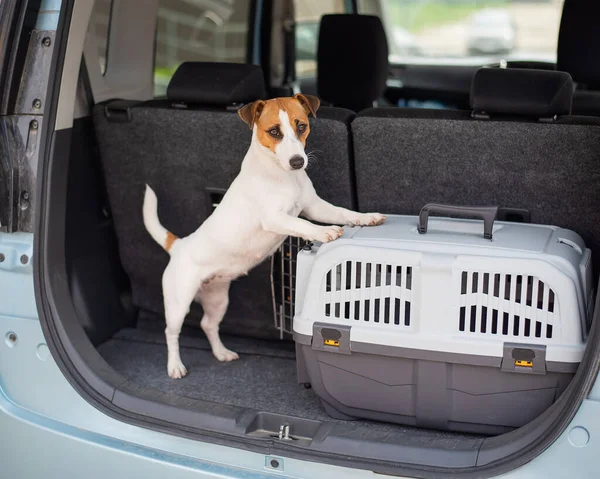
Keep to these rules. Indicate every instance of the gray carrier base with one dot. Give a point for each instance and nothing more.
(444, 391)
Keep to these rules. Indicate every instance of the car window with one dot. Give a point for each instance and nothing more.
(199, 30)
(308, 18)
(468, 31)
(100, 25)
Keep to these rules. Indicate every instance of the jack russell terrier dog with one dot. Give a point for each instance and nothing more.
(259, 210)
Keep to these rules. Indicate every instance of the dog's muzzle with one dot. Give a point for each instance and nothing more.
(296, 162)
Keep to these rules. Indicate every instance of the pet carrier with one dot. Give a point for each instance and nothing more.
(428, 322)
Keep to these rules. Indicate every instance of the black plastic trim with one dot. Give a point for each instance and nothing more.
(97, 383)
(252, 49)
(24, 15)
(10, 23)
(265, 14)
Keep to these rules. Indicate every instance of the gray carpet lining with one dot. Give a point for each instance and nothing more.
(243, 346)
(263, 379)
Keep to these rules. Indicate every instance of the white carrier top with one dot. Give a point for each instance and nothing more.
(450, 289)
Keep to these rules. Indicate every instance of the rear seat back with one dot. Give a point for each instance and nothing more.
(500, 154)
(189, 148)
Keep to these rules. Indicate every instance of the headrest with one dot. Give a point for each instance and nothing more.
(515, 91)
(352, 60)
(579, 42)
(220, 84)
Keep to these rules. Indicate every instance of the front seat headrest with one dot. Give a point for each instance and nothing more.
(579, 42)
(352, 60)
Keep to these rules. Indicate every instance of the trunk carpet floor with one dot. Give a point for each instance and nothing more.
(264, 378)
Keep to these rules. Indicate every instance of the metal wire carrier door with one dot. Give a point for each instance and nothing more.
(283, 283)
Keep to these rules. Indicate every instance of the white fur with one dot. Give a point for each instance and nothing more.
(150, 214)
(290, 145)
(259, 210)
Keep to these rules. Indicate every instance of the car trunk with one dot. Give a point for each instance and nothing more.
(253, 399)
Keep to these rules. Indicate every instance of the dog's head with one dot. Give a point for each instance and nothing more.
(281, 127)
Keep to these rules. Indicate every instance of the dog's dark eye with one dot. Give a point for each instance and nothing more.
(275, 133)
(301, 128)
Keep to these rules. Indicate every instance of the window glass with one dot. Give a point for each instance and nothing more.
(100, 23)
(308, 17)
(199, 30)
(468, 31)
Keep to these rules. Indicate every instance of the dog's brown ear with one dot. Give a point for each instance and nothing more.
(310, 103)
(249, 113)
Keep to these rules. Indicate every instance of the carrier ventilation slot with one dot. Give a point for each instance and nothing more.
(506, 305)
(371, 292)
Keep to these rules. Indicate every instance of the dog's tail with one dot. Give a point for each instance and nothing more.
(150, 212)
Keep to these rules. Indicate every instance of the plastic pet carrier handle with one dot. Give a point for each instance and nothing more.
(487, 213)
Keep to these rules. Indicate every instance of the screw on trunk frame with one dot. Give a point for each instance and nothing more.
(34, 125)
(11, 339)
(24, 259)
(2, 257)
(46, 41)
(37, 103)
(24, 203)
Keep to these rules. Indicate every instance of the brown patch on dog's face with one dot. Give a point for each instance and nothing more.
(281, 127)
(266, 116)
(269, 128)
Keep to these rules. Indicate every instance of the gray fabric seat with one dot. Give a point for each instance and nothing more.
(190, 153)
(405, 159)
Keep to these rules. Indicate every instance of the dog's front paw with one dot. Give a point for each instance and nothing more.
(369, 219)
(176, 369)
(225, 355)
(325, 234)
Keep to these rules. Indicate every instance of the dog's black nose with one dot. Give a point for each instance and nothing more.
(296, 162)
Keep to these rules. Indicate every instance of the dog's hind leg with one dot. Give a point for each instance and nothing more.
(180, 284)
(214, 298)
